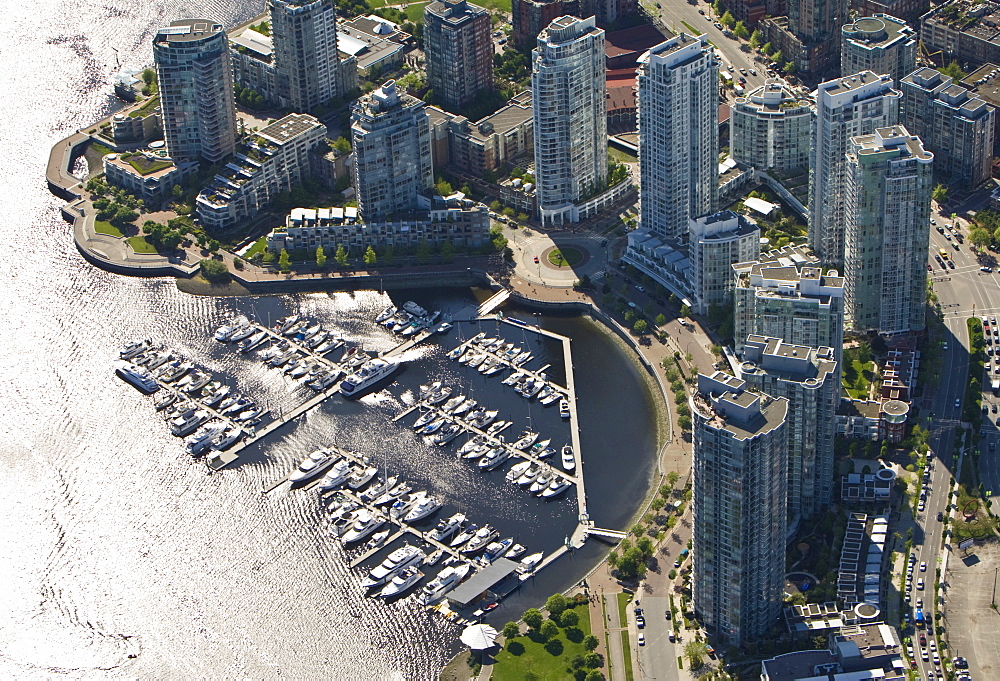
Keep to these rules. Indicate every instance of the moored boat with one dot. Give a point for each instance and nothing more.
(568, 459)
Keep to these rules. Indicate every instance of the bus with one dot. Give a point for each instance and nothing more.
(918, 619)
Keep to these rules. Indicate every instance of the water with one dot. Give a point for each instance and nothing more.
(120, 556)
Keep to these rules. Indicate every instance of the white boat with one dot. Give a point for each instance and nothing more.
(495, 369)
(453, 403)
(377, 540)
(312, 465)
(447, 579)
(456, 352)
(568, 459)
(224, 332)
(541, 481)
(134, 349)
(414, 309)
(447, 434)
(244, 331)
(158, 359)
(369, 374)
(488, 364)
(546, 392)
(165, 400)
(285, 323)
(464, 407)
(227, 439)
(424, 419)
(282, 358)
(422, 509)
(386, 313)
(443, 327)
(329, 344)
(467, 356)
(138, 377)
(477, 360)
(250, 415)
(530, 563)
(465, 535)
(517, 470)
(527, 439)
(301, 370)
(515, 551)
(513, 378)
(197, 382)
(486, 419)
(336, 476)
(182, 427)
(440, 395)
(522, 358)
(564, 408)
(539, 447)
(529, 475)
(200, 442)
(484, 535)
(393, 494)
(493, 458)
(471, 444)
(378, 489)
(403, 580)
(428, 390)
(496, 427)
(535, 386)
(546, 453)
(447, 527)
(403, 504)
(401, 558)
(363, 527)
(325, 380)
(214, 396)
(497, 549)
(361, 477)
(558, 485)
(175, 370)
(432, 427)
(238, 405)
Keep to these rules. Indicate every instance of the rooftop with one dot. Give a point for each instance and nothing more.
(188, 30)
(861, 84)
(890, 138)
(726, 405)
(877, 31)
(250, 39)
(289, 127)
(454, 12)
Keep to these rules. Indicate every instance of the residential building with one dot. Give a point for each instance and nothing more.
(376, 46)
(304, 35)
(568, 102)
(392, 152)
(965, 30)
(880, 44)
(770, 128)
(195, 80)
(907, 10)
(809, 35)
(146, 175)
(497, 141)
(785, 294)
(678, 134)
(268, 163)
(530, 17)
(984, 83)
(137, 126)
(808, 378)
(717, 242)
(740, 489)
(253, 62)
(888, 231)
(846, 107)
(956, 126)
(458, 50)
(864, 649)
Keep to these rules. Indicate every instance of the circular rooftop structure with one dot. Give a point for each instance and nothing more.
(886, 474)
(867, 611)
(868, 29)
(895, 411)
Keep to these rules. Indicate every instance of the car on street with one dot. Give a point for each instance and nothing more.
(940, 516)
(671, 637)
(701, 11)
(958, 403)
(985, 269)
(920, 508)
(923, 639)
(923, 566)
(920, 584)
(640, 289)
(684, 322)
(632, 305)
(708, 17)
(666, 614)
(642, 639)
(537, 260)
(640, 622)
(951, 264)
(711, 651)
(753, 72)
(743, 71)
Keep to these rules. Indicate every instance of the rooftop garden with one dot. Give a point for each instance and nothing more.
(147, 108)
(145, 165)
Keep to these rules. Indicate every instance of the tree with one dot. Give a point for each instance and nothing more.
(673, 477)
(496, 206)
(980, 237)
(320, 257)
(340, 256)
(685, 311)
(594, 675)
(532, 617)
(717, 8)
(556, 604)
(284, 261)
(727, 19)
(789, 67)
(590, 642)
(695, 651)
(939, 194)
(953, 70)
(569, 618)
(448, 251)
(777, 56)
(661, 319)
(741, 30)
(510, 630)
(549, 629)
(423, 251)
(342, 145)
(215, 271)
(767, 48)
(640, 326)
(370, 256)
(443, 187)
(684, 422)
(755, 39)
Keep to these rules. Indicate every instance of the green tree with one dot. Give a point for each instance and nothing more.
(727, 19)
(509, 212)
(423, 251)
(953, 70)
(532, 617)
(673, 477)
(569, 618)
(640, 326)
(510, 630)
(594, 674)
(215, 271)
(370, 256)
(443, 187)
(342, 145)
(755, 39)
(284, 261)
(940, 193)
(777, 56)
(556, 604)
(549, 629)
(741, 30)
(717, 8)
(496, 206)
(695, 652)
(590, 642)
(684, 422)
(320, 257)
(789, 67)
(685, 311)
(661, 319)
(340, 256)
(767, 48)
(448, 251)
(979, 236)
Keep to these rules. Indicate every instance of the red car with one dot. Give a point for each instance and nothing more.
(536, 259)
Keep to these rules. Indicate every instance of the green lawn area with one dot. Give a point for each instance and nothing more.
(623, 600)
(99, 149)
(540, 661)
(499, 5)
(140, 245)
(144, 165)
(415, 11)
(858, 377)
(620, 155)
(146, 108)
(259, 246)
(102, 227)
(565, 256)
(691, 28)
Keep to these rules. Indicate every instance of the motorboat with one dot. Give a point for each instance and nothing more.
(238, 405)
(165, 400)
(400, 583)
(336, 476)
(389, 497)
(273, 351)
(175, 370)
(198, 382)
(434, 558)
(158, 359)
(517, 470)
(432, 427)
(325, 380)
(378, 489)
(526, 440)
(414, 309)
(541, 481)
(530, 563)
(134, 349)
(311, 466)
(282, 359)
(476, 361)
(299, 371)
(495, 369)
(443, 327)
(293, 363)
(496, 427)
(546, 453)
(361, 477)
(225, 332)
(456, 352)
(424, 419)
(215, 396)
(329, 344)
(467, 356)
(488, 364)
(563, 408)
(422, 509)
(285, 323)
(294, 328)
(522, 358)
(550, 399)
(185, 381)
(309, 333)
(364, 526)
(377, 540)
(182, 427)
(539, 447)
(400, 559)
(493, 458)
(477, 441)
(483, 536)
(465, 535)
(181, 409)
(568, 459)
(386, 313)
(464, 407)
(403, 504)
(138, 377)
(497, 549)
(446, 580)
(558, 485)
(439, 396)
(515, 551)
(545, 392)
(447, 434)
(514, 378)
(248, 344)
(243, 332)
(486, 419)
(477, 338)
(535, 386)
(230, 436)
(478, 451)
(317, 340)
(344, 520)
(428, 390)
(250, 415)
(201, 441)
(447, 527)
(529, 475)
(370, 373)
(453, 403)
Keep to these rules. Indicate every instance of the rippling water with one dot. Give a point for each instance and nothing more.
(120, 556)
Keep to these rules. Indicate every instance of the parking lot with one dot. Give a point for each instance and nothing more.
(971, 622)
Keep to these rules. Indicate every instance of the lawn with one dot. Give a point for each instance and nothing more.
(691, 28)
(140, 245)
(497, 5)
(565, 256)
(146, 108)
(858, 374)
(623, 600)
(543, 661)
(259, 246)
(620, 155)
(144, 165)
(102, 227)
(415, 11)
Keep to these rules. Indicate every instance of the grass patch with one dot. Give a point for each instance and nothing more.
(259, 246)
(531, 657)
(99, 149)
(415, 11)
(144, 165)
(140, 245)
(620, 155)
(859, 372)
(103, 227)
(623, 600)
(496, 5)
(691, 28)
(627, 654)
(565, 256)
(146, 108)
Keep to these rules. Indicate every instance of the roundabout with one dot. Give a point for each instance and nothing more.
(566, 256)
(557, 259)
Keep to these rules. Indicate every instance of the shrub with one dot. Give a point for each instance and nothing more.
(215, 271)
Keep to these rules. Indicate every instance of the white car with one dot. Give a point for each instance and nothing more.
(920, 584)
(923, 566)
(642, 639)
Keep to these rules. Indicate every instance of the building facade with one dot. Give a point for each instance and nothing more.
(966, 30)
(567, 94)
(392, 152)
(717, 242)
(770, 128)
(846, 107)
(678, 134)
(740, 489)
(195, 79)
(880, 44)
(888, 233)
(267, 164)
(307, 64)
(458, 50)
(808, 37)
(808, 378)
(956, 126)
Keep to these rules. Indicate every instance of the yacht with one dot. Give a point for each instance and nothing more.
(393, 494)
(478, 451)
(529, 475)
(414, 309)
(248, 344)
(363, 527)
(464, 407)
(344, 520)
(467, 356)
(476, 361)
(325, 380)
(484, 535)
(539, 447)
(175, 370)
(530, 563)
(216, 395)
(378, 489)
(405, 579)
(527, 439)
(285, 323)
(541, 481)
(545, 392)
(422, 509)
(250, 415)
(370, 373)
(564, 408)
(227, 439)
(558, 485)
(182, 427)
(546, 453)
(317, 340)
(496, 427)
(138, 377)
(311, 466)
(273, 351)
(198, 382)
(447, 527)
(551, 399)
(428, 390)
(517, 470)
(293, 363)
(386, 313)
(498, 548)
(439, 396)
(446, 580)
(432, 427)
(336, 476)
(488, 364)
(453, 403)
(514, 378)
(329, 344)
(515, 551)
(165, 400)
(377, 540)
(465, 535)
(447, 434)
(534, 387)
(486, 419)
(202, 441)
(308, 334)
(456, 352)
(493, 458)
(299, 371)
(282, 359)
(471, 444)
(238, 405)
(244, 331)
(568, 460)
(495, 369)
(403, 504)
(134, 349)
(399, 559)
(443, 327)
(522, 358)
(224, 332)
(424, 419)
(361, 477)
(159, 359)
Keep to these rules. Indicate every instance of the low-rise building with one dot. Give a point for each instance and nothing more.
(146, 175)
(966, 30)
(869, 650)
(270, 162)
(490, 144)
(984, 83)
(136, 126)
